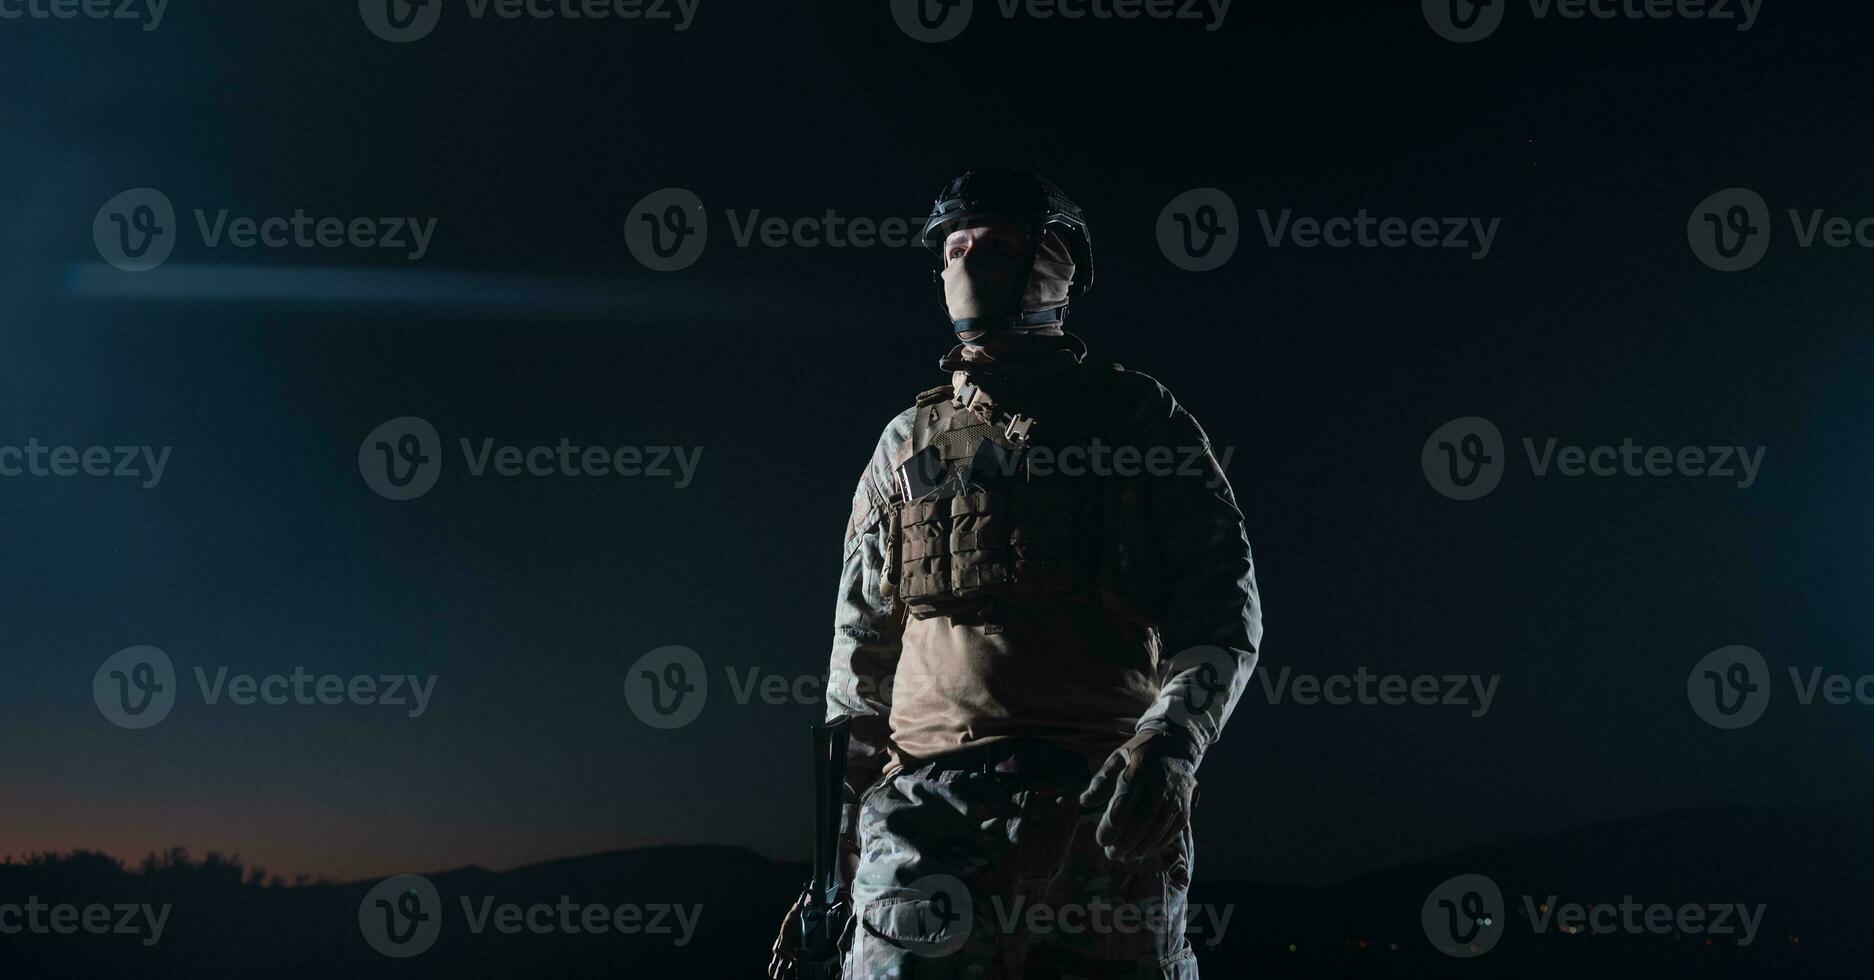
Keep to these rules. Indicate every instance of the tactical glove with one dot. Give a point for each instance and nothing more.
(781, 965)
(781, 957)
(1146, 787)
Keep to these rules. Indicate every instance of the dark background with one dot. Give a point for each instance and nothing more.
(1591, 320)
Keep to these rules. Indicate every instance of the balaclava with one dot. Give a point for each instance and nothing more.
(978, 284)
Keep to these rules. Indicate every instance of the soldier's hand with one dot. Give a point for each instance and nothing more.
(781, 963)
(1146, 790)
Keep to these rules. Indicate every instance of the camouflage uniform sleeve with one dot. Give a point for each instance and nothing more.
(1212, 625)
(867, 627)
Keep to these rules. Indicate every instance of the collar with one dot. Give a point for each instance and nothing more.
(1038, 354)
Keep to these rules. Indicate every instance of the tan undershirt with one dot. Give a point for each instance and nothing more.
(1070, 673)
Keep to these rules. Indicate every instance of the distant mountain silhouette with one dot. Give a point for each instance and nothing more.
(1803, 865)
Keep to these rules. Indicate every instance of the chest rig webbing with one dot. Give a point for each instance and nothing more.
(970, 523)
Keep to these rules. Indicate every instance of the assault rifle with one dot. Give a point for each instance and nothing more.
(823, 916)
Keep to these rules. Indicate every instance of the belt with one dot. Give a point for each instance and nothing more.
(1024, 756)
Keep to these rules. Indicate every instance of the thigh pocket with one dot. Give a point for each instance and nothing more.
(1174, 879)
(1179, 966)
(931, 916)
(1174, 867)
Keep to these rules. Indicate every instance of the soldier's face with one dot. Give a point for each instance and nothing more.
(981, 263)
(993, 242)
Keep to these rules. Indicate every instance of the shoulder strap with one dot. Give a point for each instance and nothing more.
(937, 394)
(933, 407)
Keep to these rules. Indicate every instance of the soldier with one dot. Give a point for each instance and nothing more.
(1047, 610)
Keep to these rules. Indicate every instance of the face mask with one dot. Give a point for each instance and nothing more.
(978, 284)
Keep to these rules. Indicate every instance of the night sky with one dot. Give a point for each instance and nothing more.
(1590, 320)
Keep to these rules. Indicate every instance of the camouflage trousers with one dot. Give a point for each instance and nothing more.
(982, 866)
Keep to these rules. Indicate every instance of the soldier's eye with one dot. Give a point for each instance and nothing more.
(956, 251)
